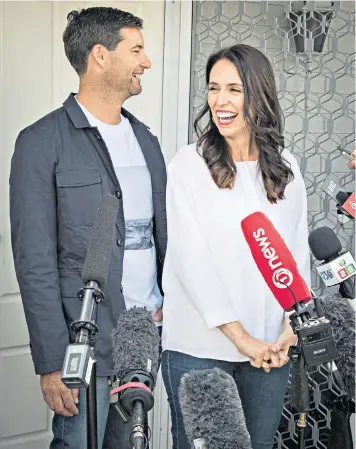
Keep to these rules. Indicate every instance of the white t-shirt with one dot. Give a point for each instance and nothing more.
(139, 279)
(210, 277)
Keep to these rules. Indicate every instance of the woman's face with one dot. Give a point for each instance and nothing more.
(226, 99)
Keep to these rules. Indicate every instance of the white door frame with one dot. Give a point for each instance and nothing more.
(176, 75)
(175, 127)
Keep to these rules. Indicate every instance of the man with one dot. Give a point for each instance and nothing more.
(62, 166)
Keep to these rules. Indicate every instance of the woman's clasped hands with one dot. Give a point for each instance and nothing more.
(267, 355)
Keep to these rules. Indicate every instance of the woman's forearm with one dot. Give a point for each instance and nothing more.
(234, 331)
(258, 351)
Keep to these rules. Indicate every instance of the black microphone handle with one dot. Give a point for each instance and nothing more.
(318, 309)
(347, 288)
(341, 197)
(138, 421)
(299, 393)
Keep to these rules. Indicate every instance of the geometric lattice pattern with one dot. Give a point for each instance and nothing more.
(316, 90)
(311, 46)
(323, 394)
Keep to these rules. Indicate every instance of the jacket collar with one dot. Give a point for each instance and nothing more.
(79, 119)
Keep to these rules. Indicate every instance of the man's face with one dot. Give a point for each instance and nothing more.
(127, 64)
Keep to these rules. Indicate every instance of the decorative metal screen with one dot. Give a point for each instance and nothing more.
(311, 46)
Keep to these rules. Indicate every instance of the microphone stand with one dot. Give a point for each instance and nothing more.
(301, 402)
(79, 368)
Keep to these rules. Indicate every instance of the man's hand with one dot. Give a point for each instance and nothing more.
(285, 341)
(158, 316)
(58, 397)
(352, 163)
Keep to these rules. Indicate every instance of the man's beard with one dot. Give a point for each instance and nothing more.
(125, 88)
(135, 90)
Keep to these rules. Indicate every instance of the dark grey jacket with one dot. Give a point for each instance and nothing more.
(60, 170)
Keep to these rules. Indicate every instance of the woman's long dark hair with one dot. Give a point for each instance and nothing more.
(263, 116)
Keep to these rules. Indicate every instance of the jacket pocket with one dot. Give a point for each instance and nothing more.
(79, 194)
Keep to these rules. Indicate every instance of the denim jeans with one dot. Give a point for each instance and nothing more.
(71, 432)
(261, 394)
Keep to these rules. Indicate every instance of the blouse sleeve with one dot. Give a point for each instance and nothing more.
(190, 259)
(302, 253)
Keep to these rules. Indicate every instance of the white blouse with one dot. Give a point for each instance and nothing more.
(210, 277)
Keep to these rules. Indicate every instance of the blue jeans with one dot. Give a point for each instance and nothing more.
(71, 432)
(261, 394)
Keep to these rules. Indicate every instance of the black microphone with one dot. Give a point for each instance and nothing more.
(342, 318)
(97, 261)
(79, 357)
(135, 343)
(344, 200)
(337, 268)
(212, 411)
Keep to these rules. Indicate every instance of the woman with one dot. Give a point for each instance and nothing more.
(218, 311)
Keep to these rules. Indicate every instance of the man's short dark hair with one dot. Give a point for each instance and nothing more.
(92, 26)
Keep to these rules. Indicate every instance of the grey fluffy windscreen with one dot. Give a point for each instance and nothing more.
(212, 410)
(342, 319)
(135, 341)
(97, 261)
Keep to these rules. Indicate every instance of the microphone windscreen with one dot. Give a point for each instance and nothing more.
(324, 243)
(299, 390)
(274, 260)
(135, 342)
(342, 319)
(97, 261)
(347, 288)
(212, 410)
(340, 429)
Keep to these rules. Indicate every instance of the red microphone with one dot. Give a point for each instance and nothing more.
(275, 262)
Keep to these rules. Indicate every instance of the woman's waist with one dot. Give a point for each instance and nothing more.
(261, 317)
(207, 345)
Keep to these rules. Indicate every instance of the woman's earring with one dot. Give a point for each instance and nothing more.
(258, 121)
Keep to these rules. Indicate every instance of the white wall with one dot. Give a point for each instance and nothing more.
(35, 78)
